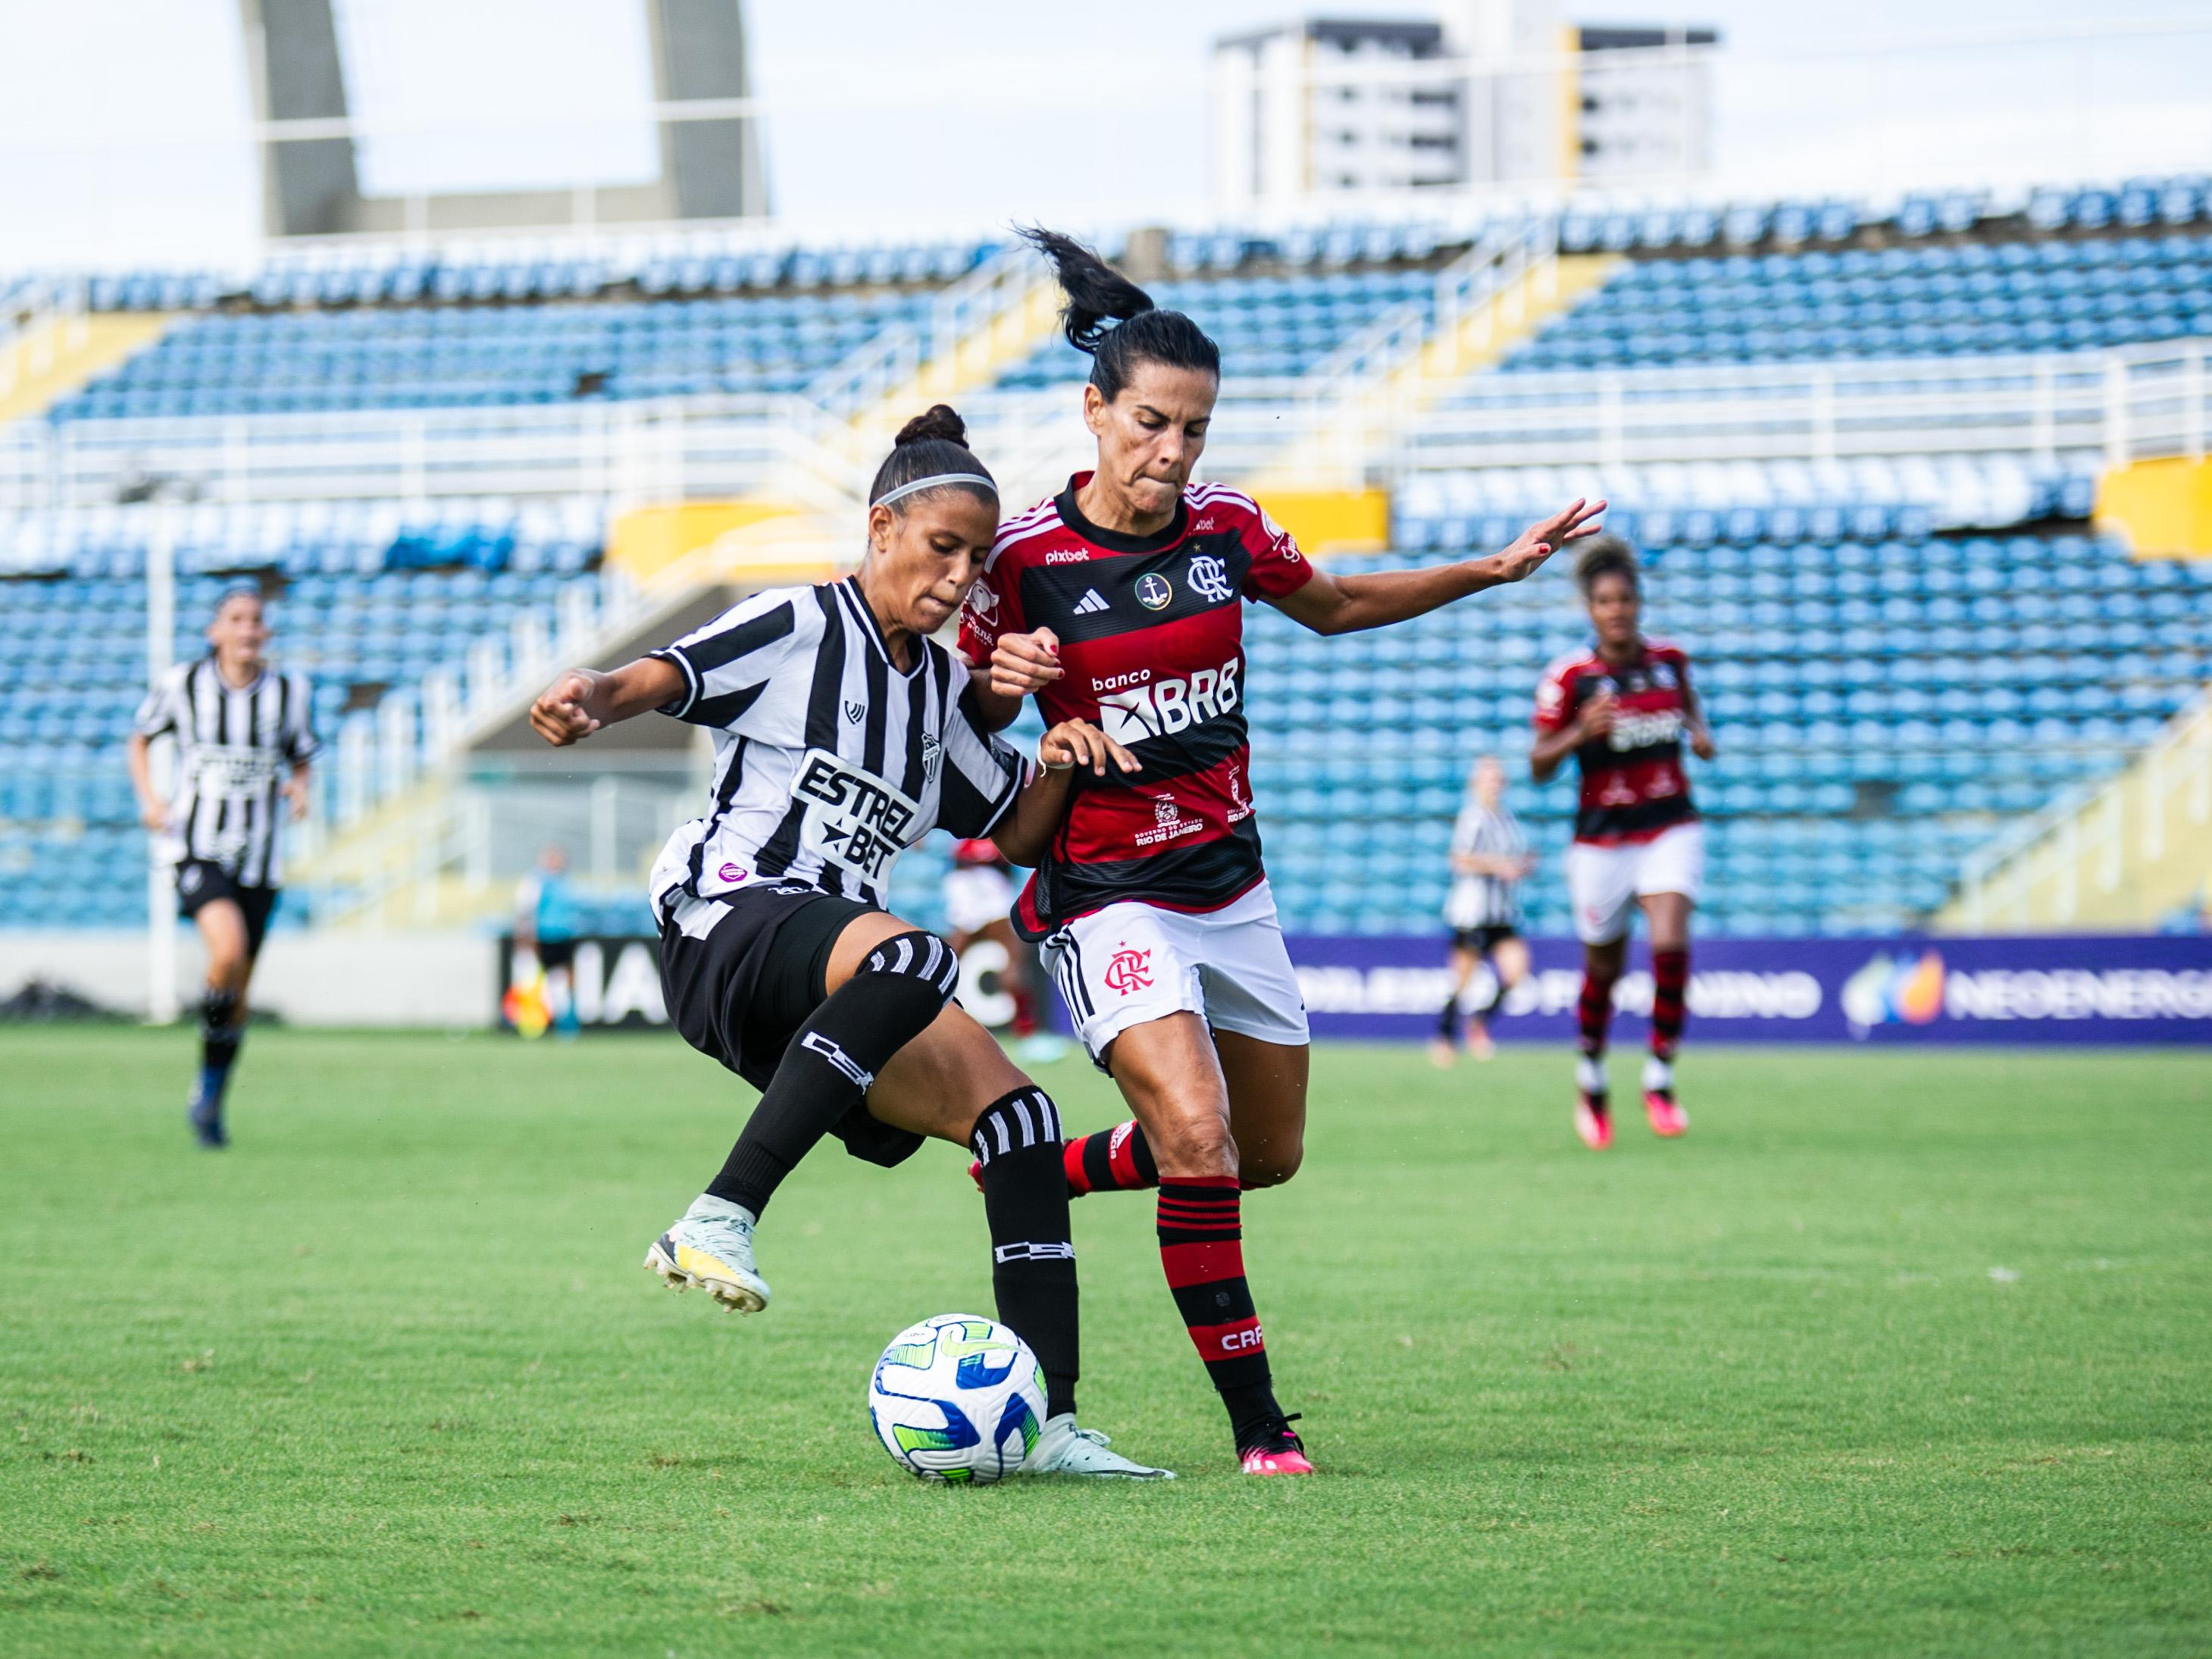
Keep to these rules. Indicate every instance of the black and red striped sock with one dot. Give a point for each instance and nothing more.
(1202, 1249)
(1594, 1012)
(1670, 982)
(1115, 1160)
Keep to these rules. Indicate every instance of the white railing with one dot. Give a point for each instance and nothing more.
(655, 449)
(2092, 831)
(2132, 402)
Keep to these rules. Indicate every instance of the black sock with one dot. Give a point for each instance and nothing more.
(833, 1059)
(219, 1040)
(1448, 1021)
(1202, 1249)
(1491, 1003)
(1016, 1140)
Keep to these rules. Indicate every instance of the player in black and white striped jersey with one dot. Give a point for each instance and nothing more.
(843, 734)
(245, 741)
(1490, 859)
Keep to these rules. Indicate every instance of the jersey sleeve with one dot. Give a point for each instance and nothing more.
(1555, 704)
(727, 664)
(298, 737)
(163, 710)
(1278, 567)
(993, 608)
(982, 772)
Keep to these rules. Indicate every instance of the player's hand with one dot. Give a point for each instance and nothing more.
(1528, 863)
(296, 792)
(1597, 716)
(156, 817)
(561, 715)
(1701, 744)
(1025, 664)
(1079, 742)
(1526, 557)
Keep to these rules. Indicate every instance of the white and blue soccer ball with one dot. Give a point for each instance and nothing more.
(957, 1398)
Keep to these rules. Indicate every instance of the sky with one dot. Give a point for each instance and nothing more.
(122, 121)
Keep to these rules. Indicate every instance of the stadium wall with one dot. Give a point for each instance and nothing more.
(2059, 989)
(436, 979)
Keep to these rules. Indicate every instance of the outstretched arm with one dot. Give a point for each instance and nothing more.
(1347, 605)
(582, 700)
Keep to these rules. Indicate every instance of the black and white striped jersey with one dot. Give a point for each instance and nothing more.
(1485, 901)
(830, 761)
(236, 745)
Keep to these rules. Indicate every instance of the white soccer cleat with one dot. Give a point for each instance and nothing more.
(1063, 1448)
(712, 1246)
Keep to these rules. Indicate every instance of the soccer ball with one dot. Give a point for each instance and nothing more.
(957, 1398)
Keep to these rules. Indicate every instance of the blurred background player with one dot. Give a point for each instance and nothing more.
(1490, 859)
(546, 923)
(979, 892)
(1622, 709)
(244, 743)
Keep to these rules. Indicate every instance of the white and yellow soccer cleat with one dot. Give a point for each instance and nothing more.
(712, 1246)
(1063, 1448)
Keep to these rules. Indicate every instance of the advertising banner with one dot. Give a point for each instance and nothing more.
(615, 981)
(2064, 988)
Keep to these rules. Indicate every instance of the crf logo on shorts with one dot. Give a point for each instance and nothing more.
(1130, 970)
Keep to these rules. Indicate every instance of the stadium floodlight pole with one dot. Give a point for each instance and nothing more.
(160, 645)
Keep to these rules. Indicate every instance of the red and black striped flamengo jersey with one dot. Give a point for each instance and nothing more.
(1633, 785)
(1152, 641)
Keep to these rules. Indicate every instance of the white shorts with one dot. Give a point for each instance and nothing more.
(1129, 965)
(975, 896)
(1604, 882)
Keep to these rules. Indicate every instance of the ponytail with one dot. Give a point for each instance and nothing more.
(1097, 293)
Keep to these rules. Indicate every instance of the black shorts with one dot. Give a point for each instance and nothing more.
(556, 953)
(741, 994)
(201, 881)
(1483, 940)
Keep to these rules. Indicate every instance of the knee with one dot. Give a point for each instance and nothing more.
(1267, 1165)
(1194, 1146)
(227, 973)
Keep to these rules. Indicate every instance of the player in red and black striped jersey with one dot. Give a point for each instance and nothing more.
(1623, 710)
(1122, 596)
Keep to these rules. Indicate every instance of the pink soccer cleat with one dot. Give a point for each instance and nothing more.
(1592, 1122)
(1278, 1452)
(1668, 1118)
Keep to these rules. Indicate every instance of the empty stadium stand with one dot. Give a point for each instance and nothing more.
(1859, 444)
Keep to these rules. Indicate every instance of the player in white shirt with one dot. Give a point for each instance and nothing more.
(244, 743)
(842, 735)
(1490, 859)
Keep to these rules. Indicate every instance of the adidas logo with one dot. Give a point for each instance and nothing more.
(1092, 603)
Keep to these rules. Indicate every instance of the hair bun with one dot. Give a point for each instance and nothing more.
(940, 420)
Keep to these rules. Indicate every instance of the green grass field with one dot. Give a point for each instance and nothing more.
(1896, 1354)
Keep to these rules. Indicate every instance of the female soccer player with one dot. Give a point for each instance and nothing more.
(1118, 601)
(1490, 859)
(1621, 710)
(244, 744)
(842, 737)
